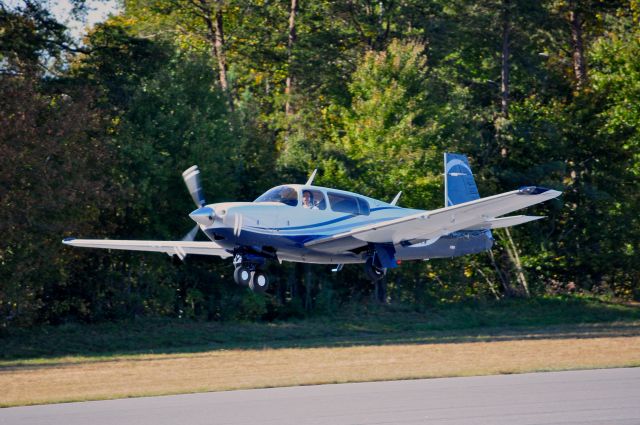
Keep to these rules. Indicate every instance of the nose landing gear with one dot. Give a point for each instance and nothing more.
(259, 282)
(248, 273)
(242, 275)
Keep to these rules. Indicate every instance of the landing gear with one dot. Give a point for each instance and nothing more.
(373, 271)
(242, 275)
(248, 273)
(259, 282)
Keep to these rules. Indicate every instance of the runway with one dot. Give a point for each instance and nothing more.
(606, 396)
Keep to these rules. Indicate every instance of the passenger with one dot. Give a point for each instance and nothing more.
(307, 200)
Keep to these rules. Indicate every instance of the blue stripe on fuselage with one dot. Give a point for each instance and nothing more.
(316, 228)
(335, 220)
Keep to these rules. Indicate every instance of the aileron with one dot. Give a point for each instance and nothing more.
(179, 248)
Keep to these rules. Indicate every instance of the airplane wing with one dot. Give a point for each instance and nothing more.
(499, 223)
(179, 248)
(476, 214)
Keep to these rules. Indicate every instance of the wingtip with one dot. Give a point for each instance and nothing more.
(539, 190)
(67, 241)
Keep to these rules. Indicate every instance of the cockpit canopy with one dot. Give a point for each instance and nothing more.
(284, 194)
(314, 199)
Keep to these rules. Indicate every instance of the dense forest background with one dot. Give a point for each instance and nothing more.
(94, 136)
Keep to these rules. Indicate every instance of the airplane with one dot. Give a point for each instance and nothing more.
(312, 224)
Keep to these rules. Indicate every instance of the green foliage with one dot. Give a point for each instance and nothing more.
(390, 136)
(29, 36)
(55, 179)
(118, 61)
(93, 140)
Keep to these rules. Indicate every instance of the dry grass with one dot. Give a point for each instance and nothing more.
(70, 379)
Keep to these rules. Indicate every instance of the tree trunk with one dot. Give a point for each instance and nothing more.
(504, 85)
(492, 286)
(281, 291)
(292, 40)
(214, 22)
(222, 57)
(308, 284)
(512, 251)
(504, 279)
(292, 281)
(579, 61)
(381, 290)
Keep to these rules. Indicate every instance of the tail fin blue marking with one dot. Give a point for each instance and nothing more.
(459, 185)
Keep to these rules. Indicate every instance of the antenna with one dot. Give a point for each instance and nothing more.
(313, 175)
(395, 200)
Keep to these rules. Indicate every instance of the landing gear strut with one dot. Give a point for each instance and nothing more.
(248, 273)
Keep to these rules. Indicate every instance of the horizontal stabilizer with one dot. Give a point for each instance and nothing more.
(179, 248)
(499, 223)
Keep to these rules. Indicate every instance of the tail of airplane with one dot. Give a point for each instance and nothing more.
(459, 185)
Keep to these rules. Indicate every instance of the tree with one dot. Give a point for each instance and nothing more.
(199, 20)
(30, 39)
(55, 181)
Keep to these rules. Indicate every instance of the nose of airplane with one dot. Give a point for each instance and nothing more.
(203, 216)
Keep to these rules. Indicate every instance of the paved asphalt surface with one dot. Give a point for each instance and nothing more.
(610, 396)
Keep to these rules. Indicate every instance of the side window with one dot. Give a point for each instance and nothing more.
(348, 204)
(313, 200)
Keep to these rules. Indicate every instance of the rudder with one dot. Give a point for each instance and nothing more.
(459, 185)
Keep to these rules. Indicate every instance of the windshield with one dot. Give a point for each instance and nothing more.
(285, 194)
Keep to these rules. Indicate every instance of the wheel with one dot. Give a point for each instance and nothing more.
(242, 276)
(374, 273)
(259, 282)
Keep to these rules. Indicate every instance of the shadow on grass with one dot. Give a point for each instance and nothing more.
(548, 318)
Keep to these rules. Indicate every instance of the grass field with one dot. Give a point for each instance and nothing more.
(357, 325)
(163, 357)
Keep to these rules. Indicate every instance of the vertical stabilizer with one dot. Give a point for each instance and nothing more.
(459, 185)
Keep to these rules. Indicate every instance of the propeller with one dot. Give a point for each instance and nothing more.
(191, 177)
(191, 236)
(202, 215)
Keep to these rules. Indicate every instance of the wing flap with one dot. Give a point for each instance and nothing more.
(179, 248)
(443, 221)
(499, 223)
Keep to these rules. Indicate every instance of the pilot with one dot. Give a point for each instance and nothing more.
(288, 196)
(307, 200)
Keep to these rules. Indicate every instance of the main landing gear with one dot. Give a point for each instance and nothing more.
(248, 273)
(374, 269)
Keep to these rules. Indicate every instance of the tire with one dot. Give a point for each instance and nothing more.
(242, 276)
(259, 282)
(374, 273)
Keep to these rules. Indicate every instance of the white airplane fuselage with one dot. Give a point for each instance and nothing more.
(280, 230)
